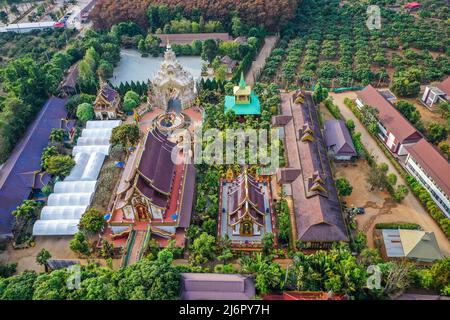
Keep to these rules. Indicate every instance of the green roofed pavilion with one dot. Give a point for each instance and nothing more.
(241, 109)
(243, 101)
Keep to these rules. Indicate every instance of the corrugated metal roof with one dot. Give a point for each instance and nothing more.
(26, 157)
(393, 243)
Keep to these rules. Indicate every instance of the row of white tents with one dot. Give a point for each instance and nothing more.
(72, 197)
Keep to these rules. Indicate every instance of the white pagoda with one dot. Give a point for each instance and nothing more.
(172, 84)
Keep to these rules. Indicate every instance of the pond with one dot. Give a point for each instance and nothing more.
(133, 67)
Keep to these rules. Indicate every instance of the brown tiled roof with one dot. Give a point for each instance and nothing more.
(338, 139)
(318, 215)
(433, 163)
(188, 197)
(240, 196)
(71, 80)
(214, 286)
(187, 38)
(287, 175)
(389, 116)
(156, 168)
(445, 86)
(280, 120)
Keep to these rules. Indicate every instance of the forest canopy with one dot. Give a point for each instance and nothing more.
(272, 14)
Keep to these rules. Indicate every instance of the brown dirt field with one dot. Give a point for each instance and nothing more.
(380, 208)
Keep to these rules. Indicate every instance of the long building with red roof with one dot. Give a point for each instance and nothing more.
(432, 170)
(395, 130)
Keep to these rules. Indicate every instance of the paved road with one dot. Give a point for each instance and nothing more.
(418, 212)
(258, 64)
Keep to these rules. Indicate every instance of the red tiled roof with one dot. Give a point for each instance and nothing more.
(187, 38)
(433, 163)
(445, 86)
(412, 5)
(389, 116)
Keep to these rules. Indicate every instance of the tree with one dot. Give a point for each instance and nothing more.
(320, 93)
(131, 101)
(7, 270)
(268, 275)
(267, 243)
(92, 221)
(350, 125)
(18, 287)
(444, 109)
(400, 194)
(85, 112)
(202, 249)
(344, 187)
(47, 153)
(378, 176)
(58, 135)
(79, 244)
(436, 133)
(404, 87)
(42, 258)
(411, 113)
(126, 135)
(60, 165)
(3, 17)
(209, 50)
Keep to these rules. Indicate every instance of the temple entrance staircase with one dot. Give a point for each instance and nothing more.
(135, 247)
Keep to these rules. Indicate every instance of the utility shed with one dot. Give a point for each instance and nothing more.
(412, 244)
(215, 286)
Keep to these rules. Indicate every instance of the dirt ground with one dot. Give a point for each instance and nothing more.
(380, 208)
(58, 248)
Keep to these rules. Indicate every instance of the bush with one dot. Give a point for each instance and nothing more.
(60, 165)
(7, 270)
(344, 187)
(92, 221)
(400, 225)
(85, 112)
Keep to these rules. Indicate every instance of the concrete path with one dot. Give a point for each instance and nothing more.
(418, 212)
(258, 64)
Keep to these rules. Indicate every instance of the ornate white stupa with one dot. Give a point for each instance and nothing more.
(172, 83)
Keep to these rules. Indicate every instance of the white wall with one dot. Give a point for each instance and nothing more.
(437, 195)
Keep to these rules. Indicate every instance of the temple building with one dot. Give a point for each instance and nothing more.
(107, 103)
(173, 87)
(243, 101)
(154, 194)
(319, 221)
(246, 212)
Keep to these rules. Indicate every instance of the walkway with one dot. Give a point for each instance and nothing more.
(418, 213)
(258, 64)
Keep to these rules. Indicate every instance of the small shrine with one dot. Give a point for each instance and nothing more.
(107, 103)
(243, 101)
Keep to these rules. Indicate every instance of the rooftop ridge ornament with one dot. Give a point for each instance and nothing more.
(242, 83)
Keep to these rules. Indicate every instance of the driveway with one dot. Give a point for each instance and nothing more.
(417, 212)
(258, 64)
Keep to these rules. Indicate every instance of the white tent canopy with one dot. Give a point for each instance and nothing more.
(91, 141)
(101, 132)
(104, 149)
(62, 212)
(72, 197)
(55, 227)
(102, 124)
(75, 186)
(69, 199)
